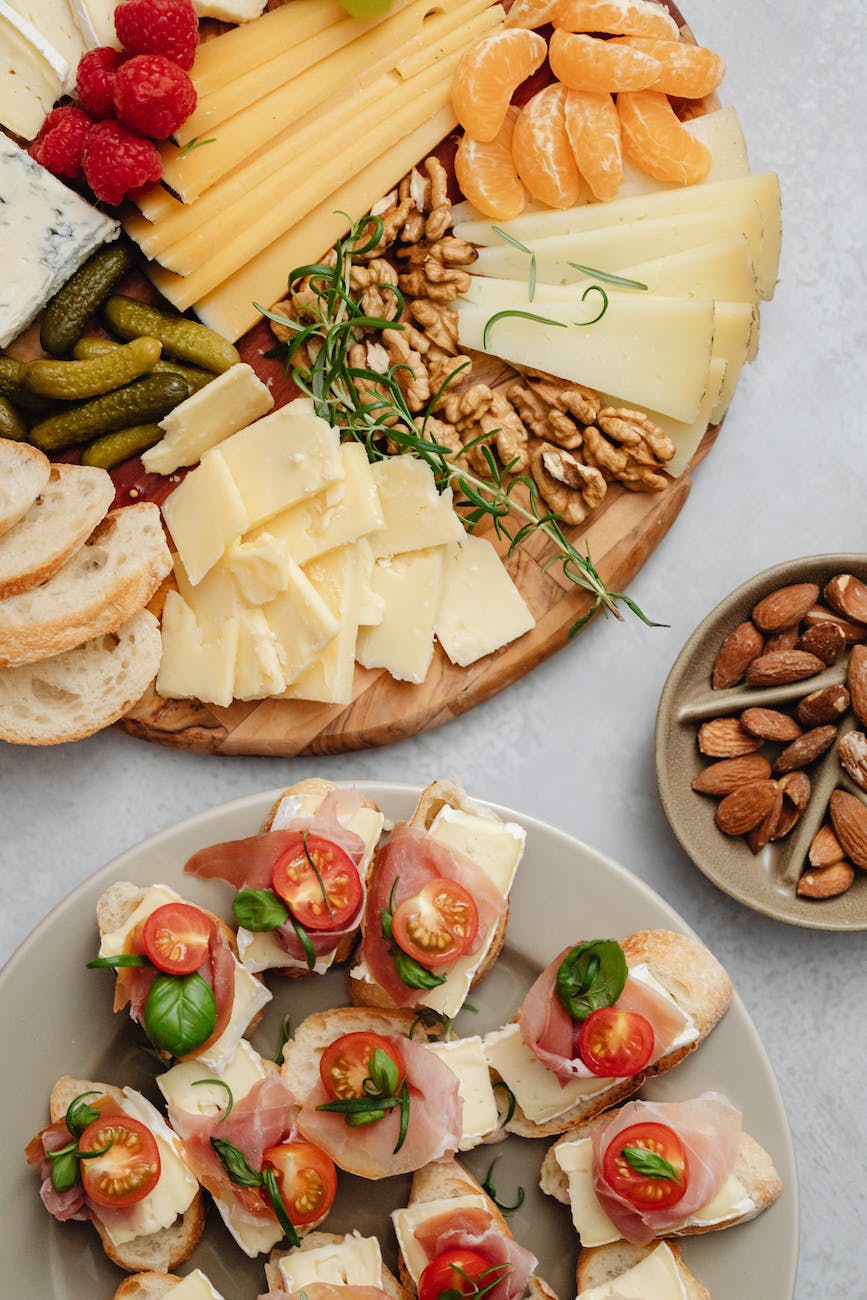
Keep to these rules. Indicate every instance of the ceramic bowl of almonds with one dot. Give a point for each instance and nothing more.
(761, 743)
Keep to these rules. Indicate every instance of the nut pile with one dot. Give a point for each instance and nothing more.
(791, 636)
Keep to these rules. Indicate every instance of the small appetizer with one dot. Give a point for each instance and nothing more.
(378, 1101)
(619, 1270)
(451, 1236)
(240, 1138)
(110, 1157)
(658, 1169)
(154, 1286)
(600, 1019)
(438, 904)
(177, 968)
(341, 1266)
(302, 883)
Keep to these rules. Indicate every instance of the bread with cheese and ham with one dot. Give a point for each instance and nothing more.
(156, 1286)
(608, 1272)
(333, 1254)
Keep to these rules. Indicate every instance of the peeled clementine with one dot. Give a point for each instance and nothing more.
(657, 142)
(689, 71)
(487, 176)
(593, 129)
(588, 63)
(530, 13)
(542, 152)
(488, 75)
(622, 17)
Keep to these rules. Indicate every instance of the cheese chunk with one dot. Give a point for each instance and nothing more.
(195, 1286)
(465, 1057)
(258, 674)
(205, 514)
(260, 567)
(537, 1089)
(288, 455)
(213, 600)
(181, 1088)
(54, 21)
(481, 608)
(354, 1261)
(416, 515)
(95, 20)
(410, 586)
(338, 580)
(227, 404)
(32, 74)
(656, 1277)
(230, 11)
(251, 996)
(496, 846)
(407, 1219)
(301, 622)
(193, 667)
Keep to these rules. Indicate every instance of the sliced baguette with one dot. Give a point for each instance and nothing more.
(149, 1286)
(117, 903)
(690, 975)
(111, 577)
(431, 800)
(302, 1052)
(24, 471)
(598, 1265)
(313, 1241)
(161, 1250)
(64, 514)
(74, 694)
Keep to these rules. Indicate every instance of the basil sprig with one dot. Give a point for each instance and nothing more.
(649, 1164)
(243, 1175)
(122, 959)
(503, 1206)
(591, 976)
(409, 971)
(218, 1083)
(259, 909)
(180, 1013)
(510, 1102)
(65, 1161)
(381, 1095)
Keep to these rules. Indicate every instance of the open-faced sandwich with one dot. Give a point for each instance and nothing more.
(156, 1286)
(332, 1268)
(620, 1271)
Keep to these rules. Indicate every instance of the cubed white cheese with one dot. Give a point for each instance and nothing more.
(481, 609)
(466, 1058)
(407, 1219)
(354, 1261)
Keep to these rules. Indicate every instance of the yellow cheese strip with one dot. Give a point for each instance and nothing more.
(252, 44)
(231, 308)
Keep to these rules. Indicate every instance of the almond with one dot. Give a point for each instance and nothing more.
(796, 787)
(827, 705)
(852, 749)
(821, 614)
(826, 641)
(729, 774)
(826, 882)
(782, 640)
(782, 667)
(735, 655)
(761, 834)
(825, 849)
(770, 724)
(849, 818)
(856, 679)
(726, 738)
(745, 808)
(805, 750)
(785, 607)
(848, 595)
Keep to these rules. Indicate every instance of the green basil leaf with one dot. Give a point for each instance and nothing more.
(412, 973)
(269, 1180)
(649, 1164)
(64, 1168)
(361, 1118)
(591, 976)
(218, 1083)
(180, 1013)
(285, 1035)
(259, 909)
(235, 1164)
(384, 1073)
(304, 940)
(404, 1119)
(79, 1114)
(510, 1101)
(122, 959)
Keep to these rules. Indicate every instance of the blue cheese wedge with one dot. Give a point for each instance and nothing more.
(354, 1261)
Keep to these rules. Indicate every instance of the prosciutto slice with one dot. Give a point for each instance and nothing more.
(434, 1127)
(474, 1229)
(258, 1120)
(709, 1127)
(72, 1204)
(413, 858)
(552, 1035)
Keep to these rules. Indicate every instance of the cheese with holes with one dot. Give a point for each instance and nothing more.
(95, 19)
(339, 580)
(656, 1277)
(54, 21)
(258, 674)
(301, 622)
(407, 1219)
(402, 642)
(416, 515)
(465, 1057)
(481, 609)
(194, 666)
(205, 514)
(32, 74)
(352, 1261)
(228, 403)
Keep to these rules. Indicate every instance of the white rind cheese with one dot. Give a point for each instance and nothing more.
(465, 1057)
(182, 1088)
(251, 996)
(230, 11)
(656, 1277)
(228, 403)
(32, 74)
(195, 1286)
(95, 20)
(407, 1219)
(354, 1261)
(54, 21)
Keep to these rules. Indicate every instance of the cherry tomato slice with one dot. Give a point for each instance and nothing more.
(437, 925)
(453, 1270)
(128, 1170)
(306, 1179)
(327, 901)
(345, 1063)
(615, 1044)
(175, 938)
(641, 1189)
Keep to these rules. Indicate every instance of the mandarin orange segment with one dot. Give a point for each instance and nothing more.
(593, 129)
(688, 71)
(619, 17)
(657, 142)
(542, 152)
(587, 63)
(487, 176)
(530, 13)
(488, 75)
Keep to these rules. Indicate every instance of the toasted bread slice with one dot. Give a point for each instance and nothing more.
(690, 975)
(72, 695)
(302, 1052)
(313, 1241)
(161, 1250)
(111, 577)
(24, 471)
(63, 515)
(149, 1286)
(117, 904)
(601, 1265)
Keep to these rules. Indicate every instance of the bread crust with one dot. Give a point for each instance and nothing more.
(146, 1286)
(389, 1283)
(41, 546)
(600, 1264)
(24, 471)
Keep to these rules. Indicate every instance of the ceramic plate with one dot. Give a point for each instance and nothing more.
(56, 1018)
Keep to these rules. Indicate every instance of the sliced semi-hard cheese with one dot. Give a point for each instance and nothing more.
(351, 1261)
(465, 1057)
(720, 270)
(212, 600)
(54, 21)
(205, 514)
(301, 622)
(481, 608)
(260, 566)
(337, 579)
(656, 1277)
(410, 586)
(32, 74)
(194, 666)
(258, 674)
(182, 1088)
(228, 403)
(735, 326)
(407, 1219)
(416, 515)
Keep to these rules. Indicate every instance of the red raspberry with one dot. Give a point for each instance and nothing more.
(95, 80)
(168, 27)
(117, 161)
(61, 140)
(153, 95)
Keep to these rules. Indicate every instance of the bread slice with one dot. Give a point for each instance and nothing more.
(690, 975)
(64, 514)
(111, 577)
(600, 1264)
(302, 1052)
(74, 694)
(24, 471)
(147, 1286)
(431, 800)
(313, 1241)
(158, 1250)
(117, 903)
(753, 1167)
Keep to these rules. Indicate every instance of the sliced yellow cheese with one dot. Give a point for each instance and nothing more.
(481, 608)
(402, 642)
(721, 270)
(192, 666)
(415, 514)
(735, 325)
(258, 674)
(212, 600)
(337, 579)
(260, 566)
(204, 514)
(656, 1277)
(231, 55)
(228, 403)
(301, 622)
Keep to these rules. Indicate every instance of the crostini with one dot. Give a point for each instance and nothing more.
(156, 1286)
(349, 1262)
(608, 1272)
